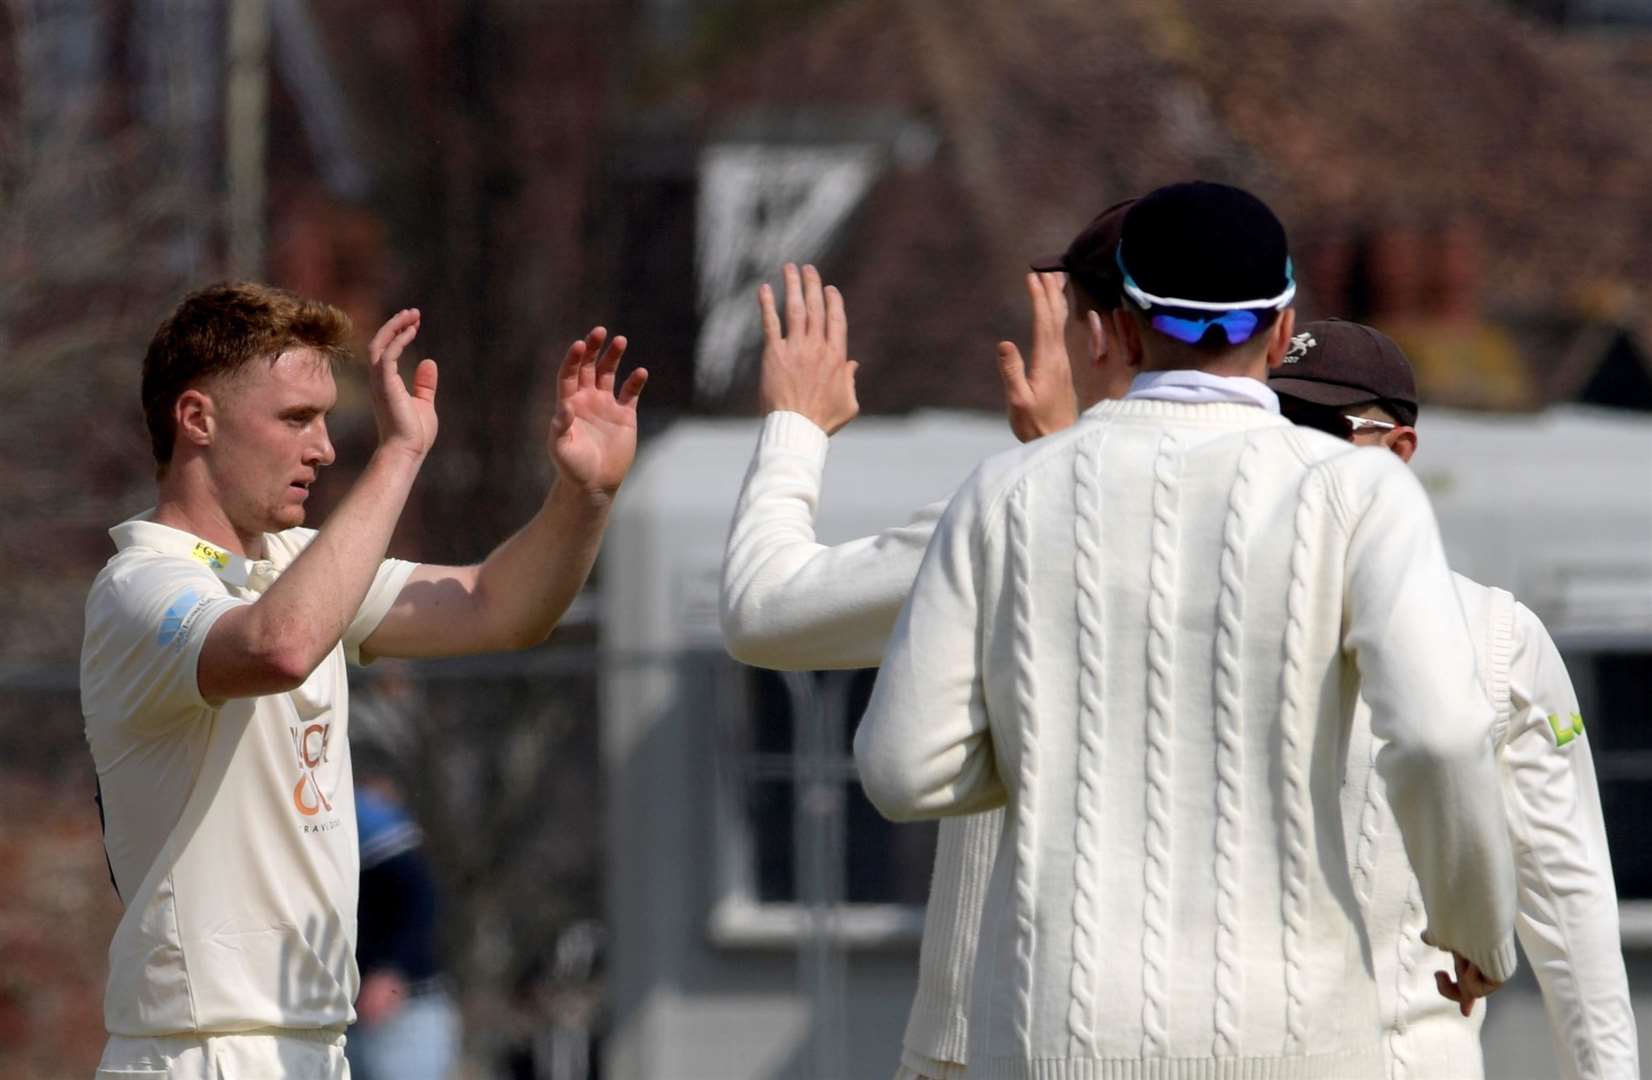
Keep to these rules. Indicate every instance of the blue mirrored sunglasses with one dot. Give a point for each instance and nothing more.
(1238, 326)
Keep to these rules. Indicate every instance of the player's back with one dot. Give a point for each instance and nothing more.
(1162, 602)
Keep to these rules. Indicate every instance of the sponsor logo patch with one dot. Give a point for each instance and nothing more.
(176, 619)
(1565, 728)
(213, 557)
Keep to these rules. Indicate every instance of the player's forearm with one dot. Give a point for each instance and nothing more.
(276, 642)
(1417, 670)
(789, 602)
(772, 540)
(923, 748)
(1568, 900)
(1568, 921)
(1445, 800)
(1575, 952)
(526, 584)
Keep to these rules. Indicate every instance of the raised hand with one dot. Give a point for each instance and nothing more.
(1039, 394)
(593, 436)
(405, 420)
(807, 369)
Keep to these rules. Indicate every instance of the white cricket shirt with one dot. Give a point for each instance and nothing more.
(231, 830)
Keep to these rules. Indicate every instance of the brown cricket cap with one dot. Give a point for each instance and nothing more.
(1091, 260)
(1339, 363)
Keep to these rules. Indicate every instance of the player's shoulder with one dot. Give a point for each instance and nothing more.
(1479, 598)
(1472, 593)
(1000, 474)
(1361, 477)
(1352, 466)
(134, 573)
(1529, 633)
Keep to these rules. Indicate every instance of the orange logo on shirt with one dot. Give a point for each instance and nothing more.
(312, 743)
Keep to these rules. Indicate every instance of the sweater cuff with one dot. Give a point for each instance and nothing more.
(1501, 964)
(793, 433)
(922, 1065)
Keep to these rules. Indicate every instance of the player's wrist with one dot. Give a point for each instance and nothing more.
(400, 453)
(571, 494)
(390, 470)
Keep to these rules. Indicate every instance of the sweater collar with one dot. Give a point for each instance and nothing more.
(1219, 414)
(1200, 387)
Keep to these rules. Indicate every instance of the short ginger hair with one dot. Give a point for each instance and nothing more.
(216, 331)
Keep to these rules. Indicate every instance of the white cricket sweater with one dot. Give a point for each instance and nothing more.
(790, 603)
(1145, 635)
(1568, 915)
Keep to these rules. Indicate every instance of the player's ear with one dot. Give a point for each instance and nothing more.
(1097, 334)
(1402, 440)
(1279, 337)
(195, 417)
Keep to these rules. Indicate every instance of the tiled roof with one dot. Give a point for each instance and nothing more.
(1347, 117)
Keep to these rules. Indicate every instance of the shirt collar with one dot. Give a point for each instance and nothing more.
(233, 570)
(1190, 384)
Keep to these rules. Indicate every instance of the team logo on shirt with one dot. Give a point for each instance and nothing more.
(313, 745)
(218, 560)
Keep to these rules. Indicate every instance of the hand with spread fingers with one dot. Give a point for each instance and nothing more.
(1038, 392)
(406, 420)
(593, 438)
(807, 369)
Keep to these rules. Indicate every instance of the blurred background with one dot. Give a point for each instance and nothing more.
(640, 860)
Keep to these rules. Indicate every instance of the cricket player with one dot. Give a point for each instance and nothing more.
(1354, 382)
(1142, 636)
(790, 603)
(213, 669)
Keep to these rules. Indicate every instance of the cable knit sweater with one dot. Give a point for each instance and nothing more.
(1144, 635)
(1568, 917)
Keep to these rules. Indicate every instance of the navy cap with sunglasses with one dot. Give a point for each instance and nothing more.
(1199, 257)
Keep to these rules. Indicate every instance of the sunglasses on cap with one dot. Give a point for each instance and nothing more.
(1331, 419)
(1237, 326)
(1236, 318)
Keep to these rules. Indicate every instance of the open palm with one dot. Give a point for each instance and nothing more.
(405, 418)
(593, 436)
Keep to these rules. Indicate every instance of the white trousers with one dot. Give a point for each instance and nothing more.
(270, 1054)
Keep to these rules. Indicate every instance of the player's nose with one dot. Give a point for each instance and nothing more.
(321, 450)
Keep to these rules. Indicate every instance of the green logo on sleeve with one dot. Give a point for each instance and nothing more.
(1566, 728)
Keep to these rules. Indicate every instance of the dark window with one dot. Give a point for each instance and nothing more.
(830, 844)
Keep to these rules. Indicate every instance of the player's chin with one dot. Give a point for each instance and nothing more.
(290, 516)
